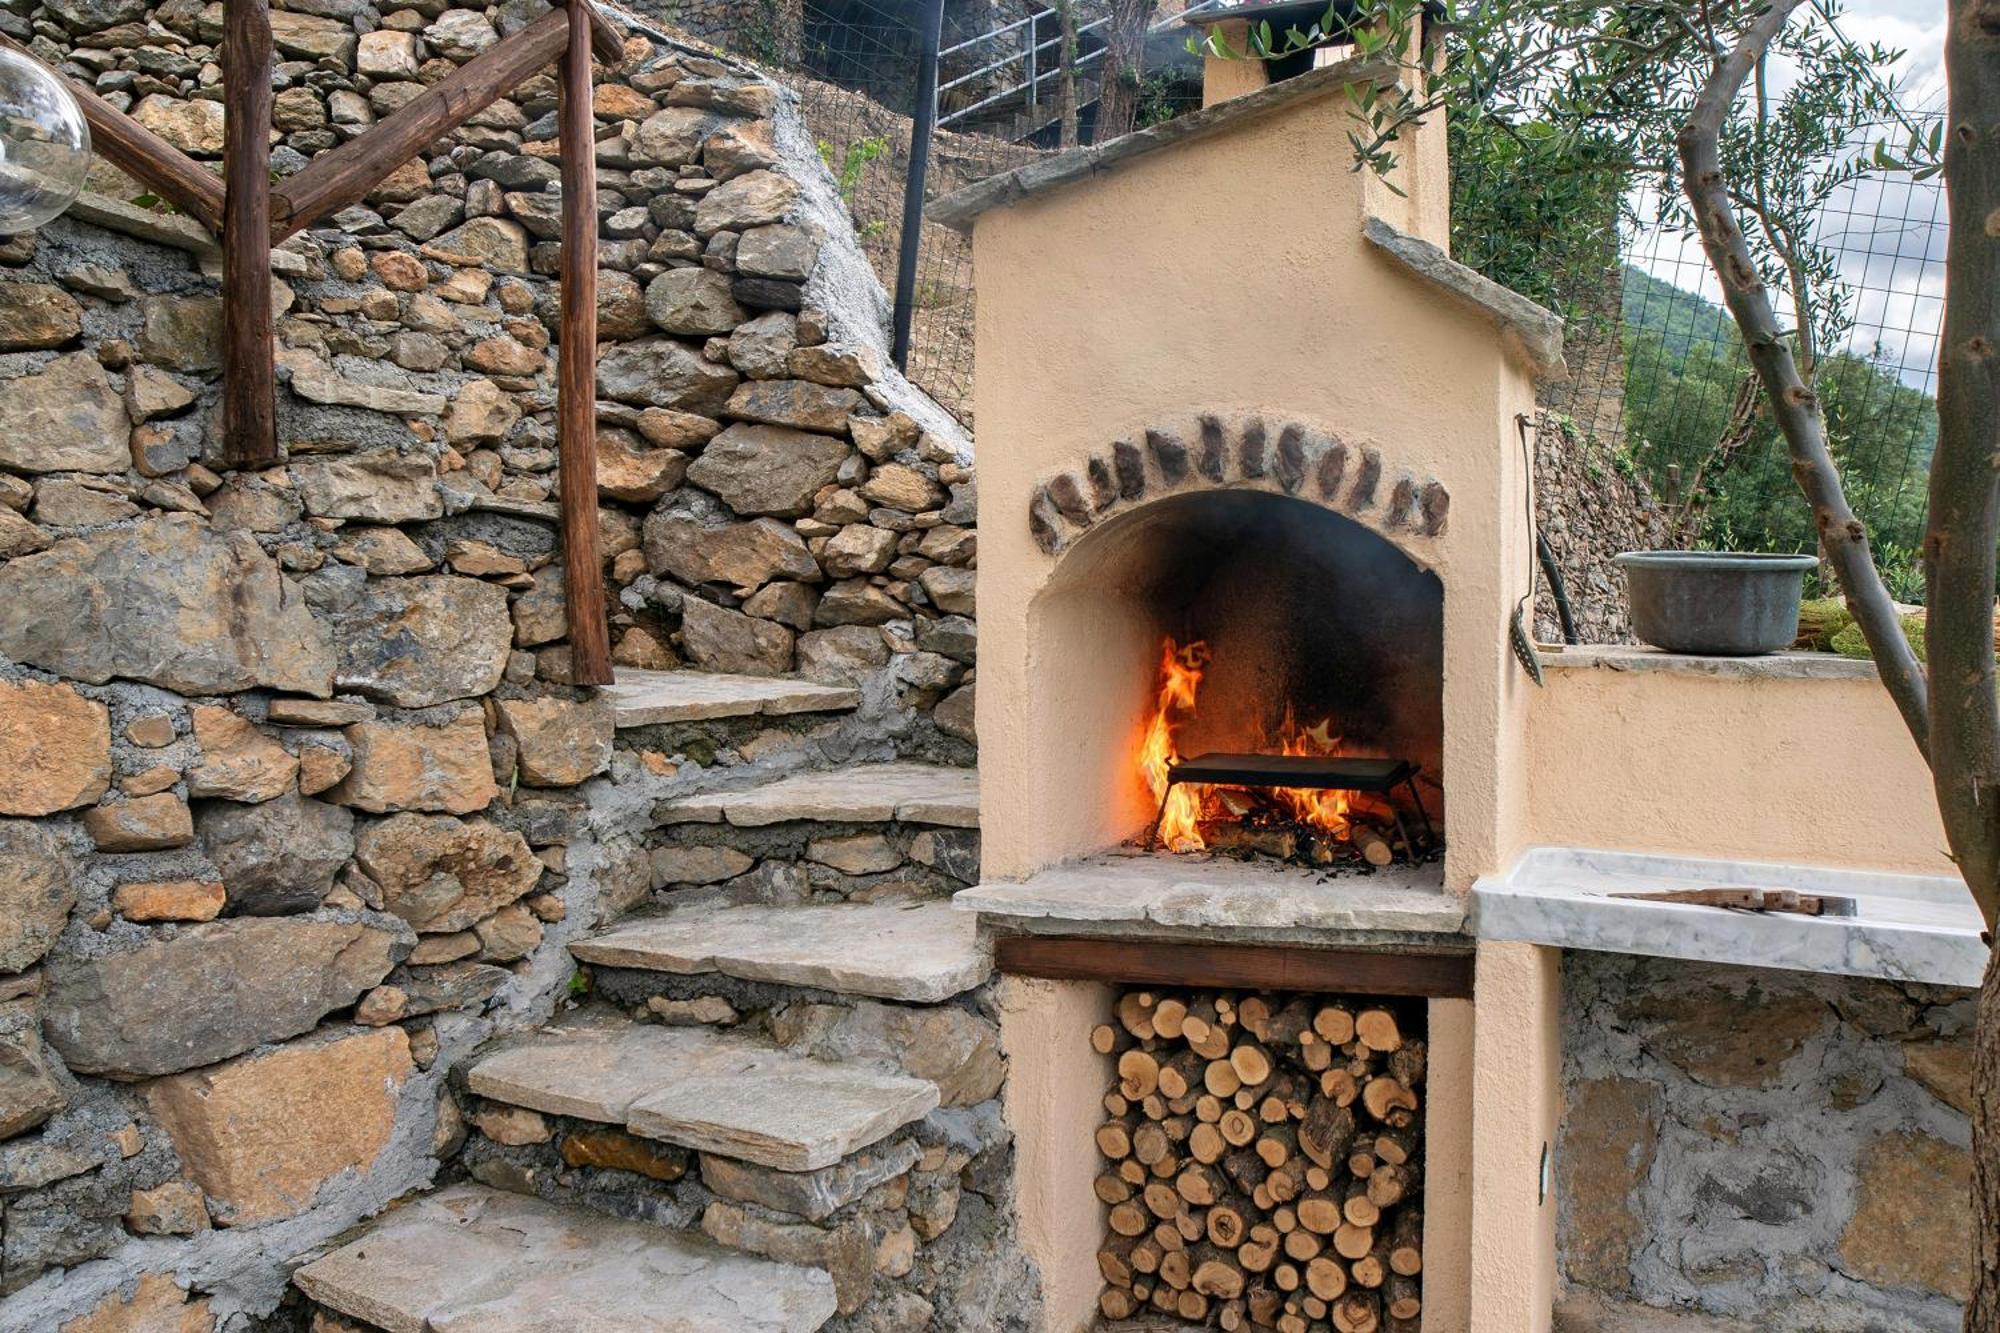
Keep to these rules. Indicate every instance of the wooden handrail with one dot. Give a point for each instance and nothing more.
(140, 153)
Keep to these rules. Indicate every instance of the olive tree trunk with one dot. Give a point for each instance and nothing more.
(1949, 705)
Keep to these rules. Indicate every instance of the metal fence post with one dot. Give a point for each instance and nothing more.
(923, 121)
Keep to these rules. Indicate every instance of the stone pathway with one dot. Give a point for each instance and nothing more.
(917, 952)
(911, 793)
(469, 1259)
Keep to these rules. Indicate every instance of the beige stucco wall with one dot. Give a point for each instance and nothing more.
(1135, 300)
(1776, 769)
(1054, 1100)
(1516, 1100)
(1223, 78)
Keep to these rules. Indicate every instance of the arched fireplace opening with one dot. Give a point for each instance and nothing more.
(1257, 626)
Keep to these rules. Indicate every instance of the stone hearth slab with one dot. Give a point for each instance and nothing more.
(700, 1089)
(474, 1260)
(643, 698)
(1905, 927)
(1220, 898)
(865, 794)
(920, 953)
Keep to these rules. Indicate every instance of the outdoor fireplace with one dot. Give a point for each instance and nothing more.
(1267, 677)
(1294, 710)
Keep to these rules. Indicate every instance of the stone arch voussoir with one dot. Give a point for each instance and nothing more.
(1244, 451)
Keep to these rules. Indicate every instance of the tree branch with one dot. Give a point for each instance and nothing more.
(1793, 404)
(1964, 522)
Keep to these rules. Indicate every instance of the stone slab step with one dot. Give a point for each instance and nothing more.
(714, 1092)
(645, 698)
(474, 1260)
(920, 953)
(913, 793)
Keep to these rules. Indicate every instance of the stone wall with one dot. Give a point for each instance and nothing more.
(297, 806)
(1773, 1150)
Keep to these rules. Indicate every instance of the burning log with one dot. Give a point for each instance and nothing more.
(1262, 1163)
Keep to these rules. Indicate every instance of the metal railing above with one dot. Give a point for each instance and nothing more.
(1035, 68)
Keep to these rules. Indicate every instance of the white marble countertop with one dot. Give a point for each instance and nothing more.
(1220, 898)
(1906, 927)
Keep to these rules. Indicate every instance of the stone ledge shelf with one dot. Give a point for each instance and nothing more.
(1215, 899)
(1906, 928)
(1770, 666)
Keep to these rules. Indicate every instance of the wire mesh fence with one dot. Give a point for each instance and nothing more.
(855, 63)
(1658, 373)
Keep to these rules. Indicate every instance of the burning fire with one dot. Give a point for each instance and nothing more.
(1187, 806)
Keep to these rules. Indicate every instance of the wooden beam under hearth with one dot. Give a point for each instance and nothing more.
(1244, 966)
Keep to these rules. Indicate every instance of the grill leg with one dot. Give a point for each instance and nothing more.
(1430, 833)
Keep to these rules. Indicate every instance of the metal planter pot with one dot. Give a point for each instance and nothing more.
(1721, 603)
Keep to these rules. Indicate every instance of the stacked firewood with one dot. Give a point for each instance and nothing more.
(1263, 1162)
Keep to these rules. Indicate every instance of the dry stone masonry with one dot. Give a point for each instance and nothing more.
(299, 811)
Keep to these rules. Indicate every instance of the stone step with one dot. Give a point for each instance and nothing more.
(917, 952)
(644, 698)
(474, 1260)
(912, 793)
(718, 1093)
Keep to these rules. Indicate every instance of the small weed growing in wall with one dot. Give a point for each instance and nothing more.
(847, 171)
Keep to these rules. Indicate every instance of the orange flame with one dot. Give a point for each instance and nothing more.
(1185, 806)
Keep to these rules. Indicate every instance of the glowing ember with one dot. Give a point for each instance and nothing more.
(1335, 815)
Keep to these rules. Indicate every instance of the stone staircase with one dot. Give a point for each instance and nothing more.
(780, 1093)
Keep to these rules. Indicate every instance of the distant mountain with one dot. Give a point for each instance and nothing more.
(1682, 318)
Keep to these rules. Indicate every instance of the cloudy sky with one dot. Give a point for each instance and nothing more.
(1888, 230)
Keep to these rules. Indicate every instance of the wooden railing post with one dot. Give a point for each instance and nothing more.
(249, 382)
(576, 364)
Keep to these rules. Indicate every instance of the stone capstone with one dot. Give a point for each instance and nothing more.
(210, 992)
(443, 874)
(416, 642)
(278, 857)
(261, 1133)
(37, 890)
(168, 602)
(65, 417)
(768, 469)
(55, 748)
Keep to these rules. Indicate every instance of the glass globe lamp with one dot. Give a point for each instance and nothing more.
(44, 144)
